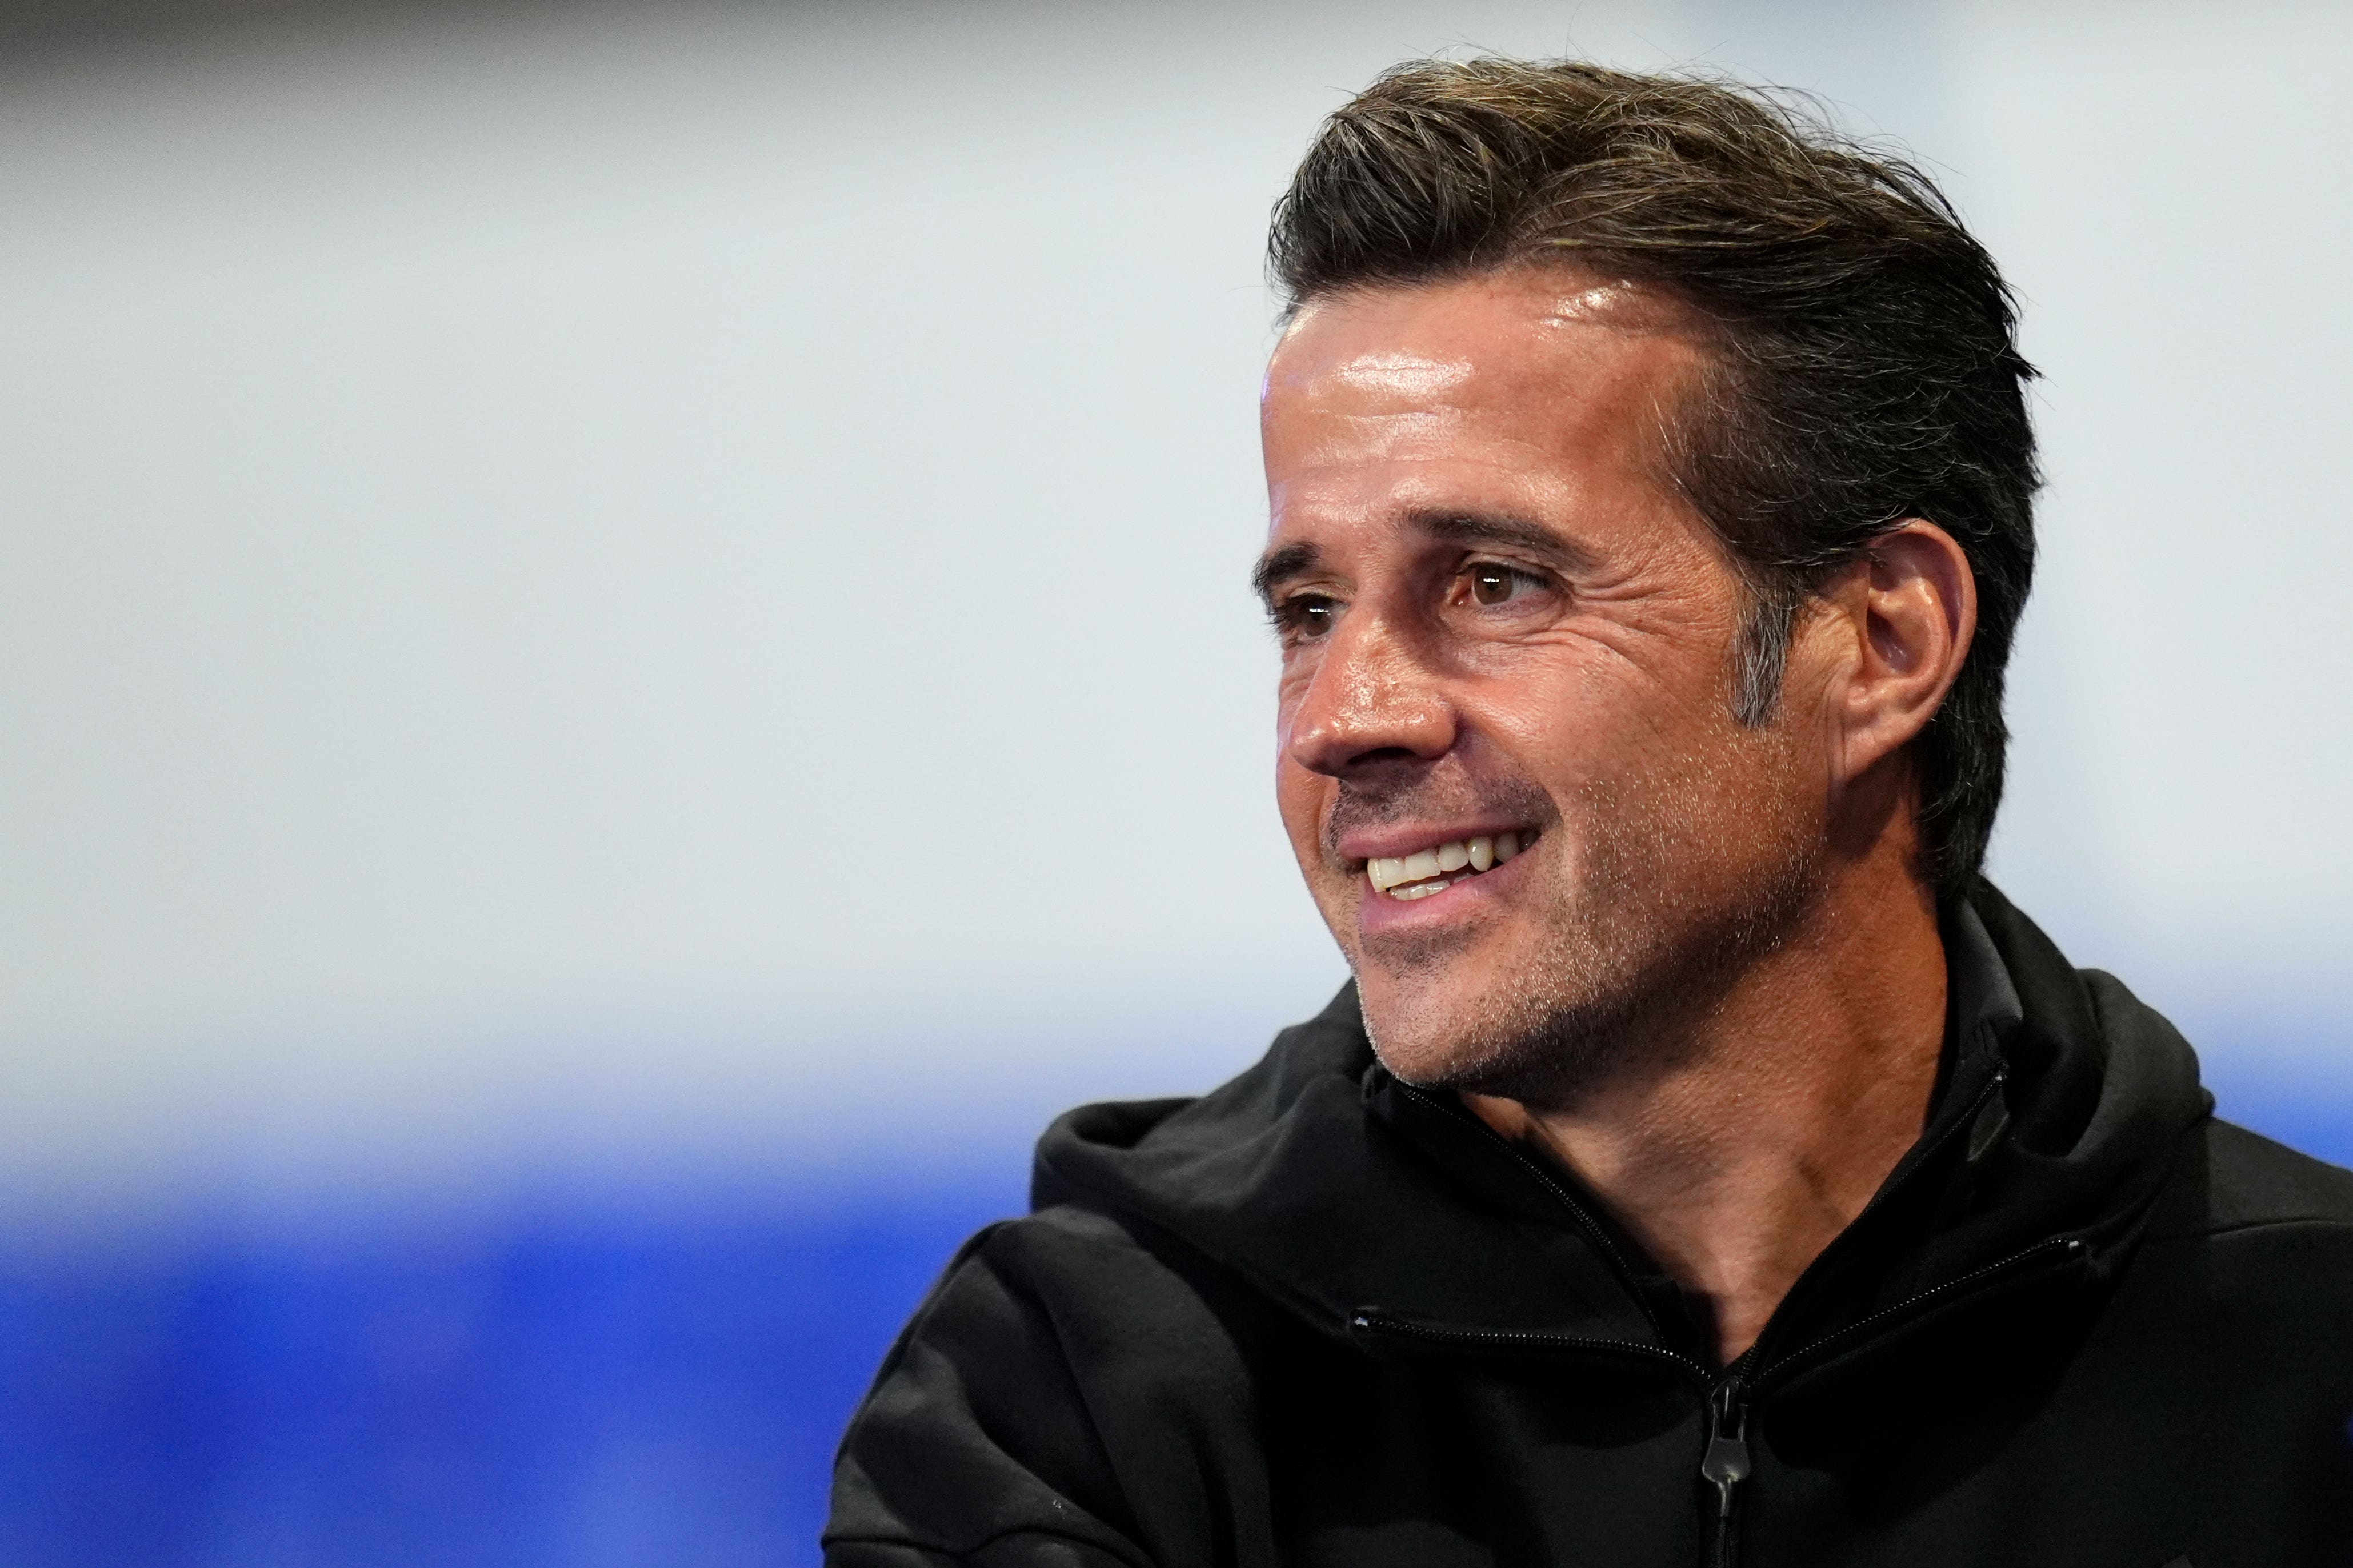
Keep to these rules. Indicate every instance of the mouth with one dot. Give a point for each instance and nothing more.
(1423, 872)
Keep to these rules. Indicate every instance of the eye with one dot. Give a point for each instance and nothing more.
(1491, 583)
(1304, 617)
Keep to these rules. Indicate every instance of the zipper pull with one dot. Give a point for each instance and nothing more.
(1725, 1464)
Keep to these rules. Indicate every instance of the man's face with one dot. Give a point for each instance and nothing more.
(1504, 629)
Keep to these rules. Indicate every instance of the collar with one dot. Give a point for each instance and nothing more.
(1864, 1269)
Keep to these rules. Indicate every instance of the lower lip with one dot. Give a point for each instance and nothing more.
(1465, 900)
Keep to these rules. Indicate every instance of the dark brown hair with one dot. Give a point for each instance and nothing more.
(1862, 364)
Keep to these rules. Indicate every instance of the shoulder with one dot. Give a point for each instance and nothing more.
(1061, 1307)
(1069, 1256)
(1063, 1384)
(2236, 1189)
(1069, 1285)
(1128, 1304)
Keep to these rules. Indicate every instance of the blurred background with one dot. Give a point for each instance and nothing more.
(624, 659)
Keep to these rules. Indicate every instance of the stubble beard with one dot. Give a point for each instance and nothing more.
(1637, 952)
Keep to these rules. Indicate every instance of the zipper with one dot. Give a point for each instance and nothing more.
(1725, 1462)
(2074, 1247)
(1608, 1248)
(1724, 1466)
(1919, 1159)
(1370, 1320)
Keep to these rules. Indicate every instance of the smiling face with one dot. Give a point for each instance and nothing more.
(1508, 760)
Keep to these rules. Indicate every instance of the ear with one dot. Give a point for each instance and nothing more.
(1909, 608)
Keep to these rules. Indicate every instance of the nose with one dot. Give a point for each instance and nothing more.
(1369, 705)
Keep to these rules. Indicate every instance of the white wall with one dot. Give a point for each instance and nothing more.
(665, 588)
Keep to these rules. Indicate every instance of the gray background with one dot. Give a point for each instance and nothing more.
(643, 591)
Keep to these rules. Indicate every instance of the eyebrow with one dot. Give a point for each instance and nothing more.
(1280, 566)
(1516, 532)
(1277, 567)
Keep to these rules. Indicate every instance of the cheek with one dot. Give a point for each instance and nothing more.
(1719, 810)
(1290, 691)
(1583, 722)
(1646, 764)
(1299, 796)
(1630, 713)
(1299, 792)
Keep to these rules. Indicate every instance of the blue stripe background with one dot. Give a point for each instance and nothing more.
(580, 1386)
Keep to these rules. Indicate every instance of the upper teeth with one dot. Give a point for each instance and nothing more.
(1478, 854)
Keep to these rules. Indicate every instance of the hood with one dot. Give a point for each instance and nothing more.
(1334, 1188)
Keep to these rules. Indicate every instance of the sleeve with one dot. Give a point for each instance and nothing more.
(1062, 1400)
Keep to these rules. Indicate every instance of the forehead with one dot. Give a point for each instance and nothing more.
(1529, 390)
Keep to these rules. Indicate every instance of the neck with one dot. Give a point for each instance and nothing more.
(1738, 1160)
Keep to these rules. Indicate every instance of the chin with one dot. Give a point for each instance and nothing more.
(1443, 1005)
(1428, 1052)
(1543, 1026)
(1424, 1033)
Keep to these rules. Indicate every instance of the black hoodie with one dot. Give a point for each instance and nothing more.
(1320, 1316)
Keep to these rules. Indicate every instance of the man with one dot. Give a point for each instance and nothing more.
(1705, 1160)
